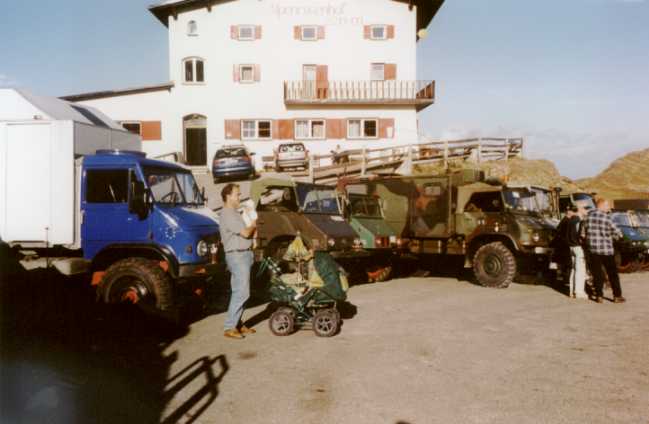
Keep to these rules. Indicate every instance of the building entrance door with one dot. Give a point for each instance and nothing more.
(195, 129)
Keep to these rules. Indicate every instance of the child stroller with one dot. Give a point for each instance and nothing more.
(310, 295)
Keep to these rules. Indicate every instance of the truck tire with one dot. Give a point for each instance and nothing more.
(494, 265)
(140, 281)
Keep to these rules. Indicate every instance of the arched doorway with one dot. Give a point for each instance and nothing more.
(195, 131)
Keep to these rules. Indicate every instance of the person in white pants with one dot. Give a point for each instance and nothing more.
(578, 271)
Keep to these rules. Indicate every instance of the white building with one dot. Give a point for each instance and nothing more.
(326, 72)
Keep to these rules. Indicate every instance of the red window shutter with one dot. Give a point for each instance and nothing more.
(367, 32)
(151, 130)
(390, 71)
(233, 129)
(335, 128)
(234, 32)
(390, 31)
(286, 129)
(384, 125)
(297, 32)
(275, 133)
(258, 32)
(257, 73)
(322, 81)
(235, 73)
(321, 32)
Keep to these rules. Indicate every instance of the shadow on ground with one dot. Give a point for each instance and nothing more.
(66, 359)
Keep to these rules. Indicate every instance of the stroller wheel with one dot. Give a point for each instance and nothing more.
(325, 323)
(281, 323)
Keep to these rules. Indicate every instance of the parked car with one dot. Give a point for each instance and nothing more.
(291, 155)
(233, 161)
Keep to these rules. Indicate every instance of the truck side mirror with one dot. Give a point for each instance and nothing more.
(137, 203)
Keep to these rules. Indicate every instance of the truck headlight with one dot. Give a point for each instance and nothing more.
(202, 249)
(357, 242)
(331, 242)
(536, 237)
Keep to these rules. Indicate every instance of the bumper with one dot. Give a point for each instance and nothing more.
(200, 270)
(350, 254)
(537, 250)
(292, 163)
(230, 172)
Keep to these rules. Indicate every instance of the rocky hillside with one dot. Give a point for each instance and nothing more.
(516, 171)
(627, 177)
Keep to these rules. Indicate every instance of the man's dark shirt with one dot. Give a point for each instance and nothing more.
(572, 231)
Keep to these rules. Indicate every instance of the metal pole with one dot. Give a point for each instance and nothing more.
(363, 162)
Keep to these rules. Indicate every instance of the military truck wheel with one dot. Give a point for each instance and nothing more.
(281, 322)
(325, 323)
(138, 281)
(494, 265)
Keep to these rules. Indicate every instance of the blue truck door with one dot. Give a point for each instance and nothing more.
(106, 216)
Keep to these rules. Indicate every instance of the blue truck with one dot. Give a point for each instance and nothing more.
(138, 227)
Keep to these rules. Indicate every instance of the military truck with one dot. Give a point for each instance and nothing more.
(286, 208)
(497, 230)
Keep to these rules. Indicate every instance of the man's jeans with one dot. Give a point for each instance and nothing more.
(239, 264)
(578, 272)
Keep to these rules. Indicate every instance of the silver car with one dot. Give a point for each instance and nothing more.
(291, 155)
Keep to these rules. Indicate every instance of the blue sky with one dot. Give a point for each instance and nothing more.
(572, 76)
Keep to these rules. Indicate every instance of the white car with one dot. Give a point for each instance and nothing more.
(291, 155)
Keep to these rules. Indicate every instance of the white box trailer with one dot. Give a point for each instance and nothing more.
(40, 139)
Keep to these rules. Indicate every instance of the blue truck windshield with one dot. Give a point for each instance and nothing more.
(169, 186)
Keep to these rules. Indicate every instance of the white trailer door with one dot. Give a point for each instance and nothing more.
(28, 181)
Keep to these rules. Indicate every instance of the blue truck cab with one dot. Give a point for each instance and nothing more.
(145, 228)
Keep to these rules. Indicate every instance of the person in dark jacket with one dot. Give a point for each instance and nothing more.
(561, 246)
(578, 259)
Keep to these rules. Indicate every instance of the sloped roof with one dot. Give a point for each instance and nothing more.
(114, 93)
(61, 110)
(427, 9)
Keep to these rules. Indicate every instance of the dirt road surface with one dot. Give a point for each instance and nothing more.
(434, 350)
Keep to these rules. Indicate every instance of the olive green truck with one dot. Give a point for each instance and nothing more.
(499, 231)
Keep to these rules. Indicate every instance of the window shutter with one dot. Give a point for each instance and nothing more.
(234, 32)
(297, 32)
(322, 81)
(233, 129)
(390, 71)
(321, 32)
(367, 32)
(257, 73)
(275, 130)
(286, 129)
(390, 31)
(151, 130)
(384, 128)
(335, 128)
(235, 73)
(258, 32)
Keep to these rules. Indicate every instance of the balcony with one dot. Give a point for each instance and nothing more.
(359, 93)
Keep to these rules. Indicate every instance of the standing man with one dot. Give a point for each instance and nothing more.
(573, 238)
(600, 231)
(237, 243)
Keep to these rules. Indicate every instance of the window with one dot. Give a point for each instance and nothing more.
(310, 128)
(247, 73)
(192, 28)
(107, 186)
(246, 32)
(484, 202)
(362, 128)
(194, 70)
(377, 72)
(309, 33)
(378, 32)
(251, 130)
(132, 127)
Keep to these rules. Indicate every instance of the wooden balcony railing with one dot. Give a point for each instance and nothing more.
(419, 93)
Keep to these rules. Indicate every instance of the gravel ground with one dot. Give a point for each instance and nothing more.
(428, 350)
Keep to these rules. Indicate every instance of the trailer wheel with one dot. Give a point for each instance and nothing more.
(139, 281)
(494, 265)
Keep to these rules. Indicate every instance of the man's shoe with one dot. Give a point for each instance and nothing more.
(246, 330)
(619, 299)
(233, 334)
(599, 299)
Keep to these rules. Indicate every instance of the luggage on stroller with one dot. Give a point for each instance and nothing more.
(308, 296)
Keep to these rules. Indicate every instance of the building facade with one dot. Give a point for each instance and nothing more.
(258, 72)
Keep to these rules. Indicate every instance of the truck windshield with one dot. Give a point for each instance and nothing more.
(642, 218)
(170, 186)
(366, 206)
(621, 219)
(543, 201)
(521, 200)
(316, 199)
